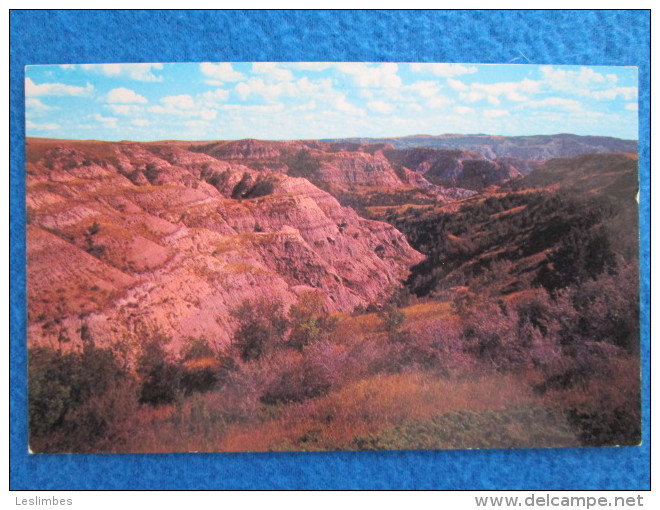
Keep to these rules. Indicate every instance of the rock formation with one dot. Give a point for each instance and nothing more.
(129, 238)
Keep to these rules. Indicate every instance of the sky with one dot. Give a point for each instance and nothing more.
(286, 101)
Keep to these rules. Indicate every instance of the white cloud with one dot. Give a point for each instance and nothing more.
(496, 113)
(35, 104)
(125, 109)
(255, 108)
(318, 88)
(221, 72)
(196, 123)
(138, 72)
(463, 110)
(41, 127)
(380, 107)
(216, 95)
(443, 70)
(309, 105)
(511, 90)
(55, 89)
(140, 122)
(473, 96)
(184, 105)
(108, 122)
(270, 92)
(259, 87)
(457, 84)
(632, 107)
(556, 102)
(438, 102)
(492, 92)
(272, 71)
(379, 76)
(591, 114)
(207, 114)
(579, 82)
(422, 88)
(182, 102)
(342, 105)
(123, 95)
(627, 93)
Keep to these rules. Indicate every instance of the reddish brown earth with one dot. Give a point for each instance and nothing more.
(458, 167)
(129, 237)
(538, 147)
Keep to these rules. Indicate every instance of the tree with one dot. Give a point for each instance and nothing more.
(200, 366)
(160, 378)
(581, 255)
(79, 401)
(261, 326)
(303, 164)
(393, 320)
(309, 321)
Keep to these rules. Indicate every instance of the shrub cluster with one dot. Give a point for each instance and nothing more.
(583, 237)
(79, 401)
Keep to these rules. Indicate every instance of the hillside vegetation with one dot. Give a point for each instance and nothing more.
(270, 296)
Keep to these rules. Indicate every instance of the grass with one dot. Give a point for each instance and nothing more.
(241, 267)
(373, 402)
(413, 410)
(369, 406)
(531, 426)
(429, 310)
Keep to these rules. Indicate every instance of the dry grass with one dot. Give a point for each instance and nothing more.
(373, 404)
(429, 310)
(353, 330)
(508, 212)
(411, 409)
(390, 410)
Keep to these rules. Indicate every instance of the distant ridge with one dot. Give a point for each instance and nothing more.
(537, 147)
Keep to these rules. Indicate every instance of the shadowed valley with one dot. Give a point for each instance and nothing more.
(405, 293)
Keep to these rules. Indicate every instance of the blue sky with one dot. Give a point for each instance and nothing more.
(281, 101)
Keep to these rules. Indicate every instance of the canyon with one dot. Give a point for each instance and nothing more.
(254, 295)
(127, 237)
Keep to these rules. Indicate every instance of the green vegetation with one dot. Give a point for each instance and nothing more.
(262, 325)
(78, 402)
(303, 164)
(309, 322)
(97, 250)
(511, 427)
(504, 244)
(248, 187)
(520, 329)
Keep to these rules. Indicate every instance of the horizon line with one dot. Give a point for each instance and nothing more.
(326, 139)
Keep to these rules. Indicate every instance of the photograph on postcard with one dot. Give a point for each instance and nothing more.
(232, 257)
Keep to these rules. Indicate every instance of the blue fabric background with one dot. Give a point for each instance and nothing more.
(539, 37)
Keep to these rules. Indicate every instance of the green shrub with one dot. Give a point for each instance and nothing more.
(261, 326)
(78, 401)
(303, 164)
(160, 378)
(309, 321)
(201, 367)
(315, 374)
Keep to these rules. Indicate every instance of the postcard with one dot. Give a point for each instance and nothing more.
(298, 256)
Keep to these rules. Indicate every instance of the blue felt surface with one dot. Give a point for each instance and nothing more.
(540, 37)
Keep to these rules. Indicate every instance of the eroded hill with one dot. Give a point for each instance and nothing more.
(223, 296)
(123, 236)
